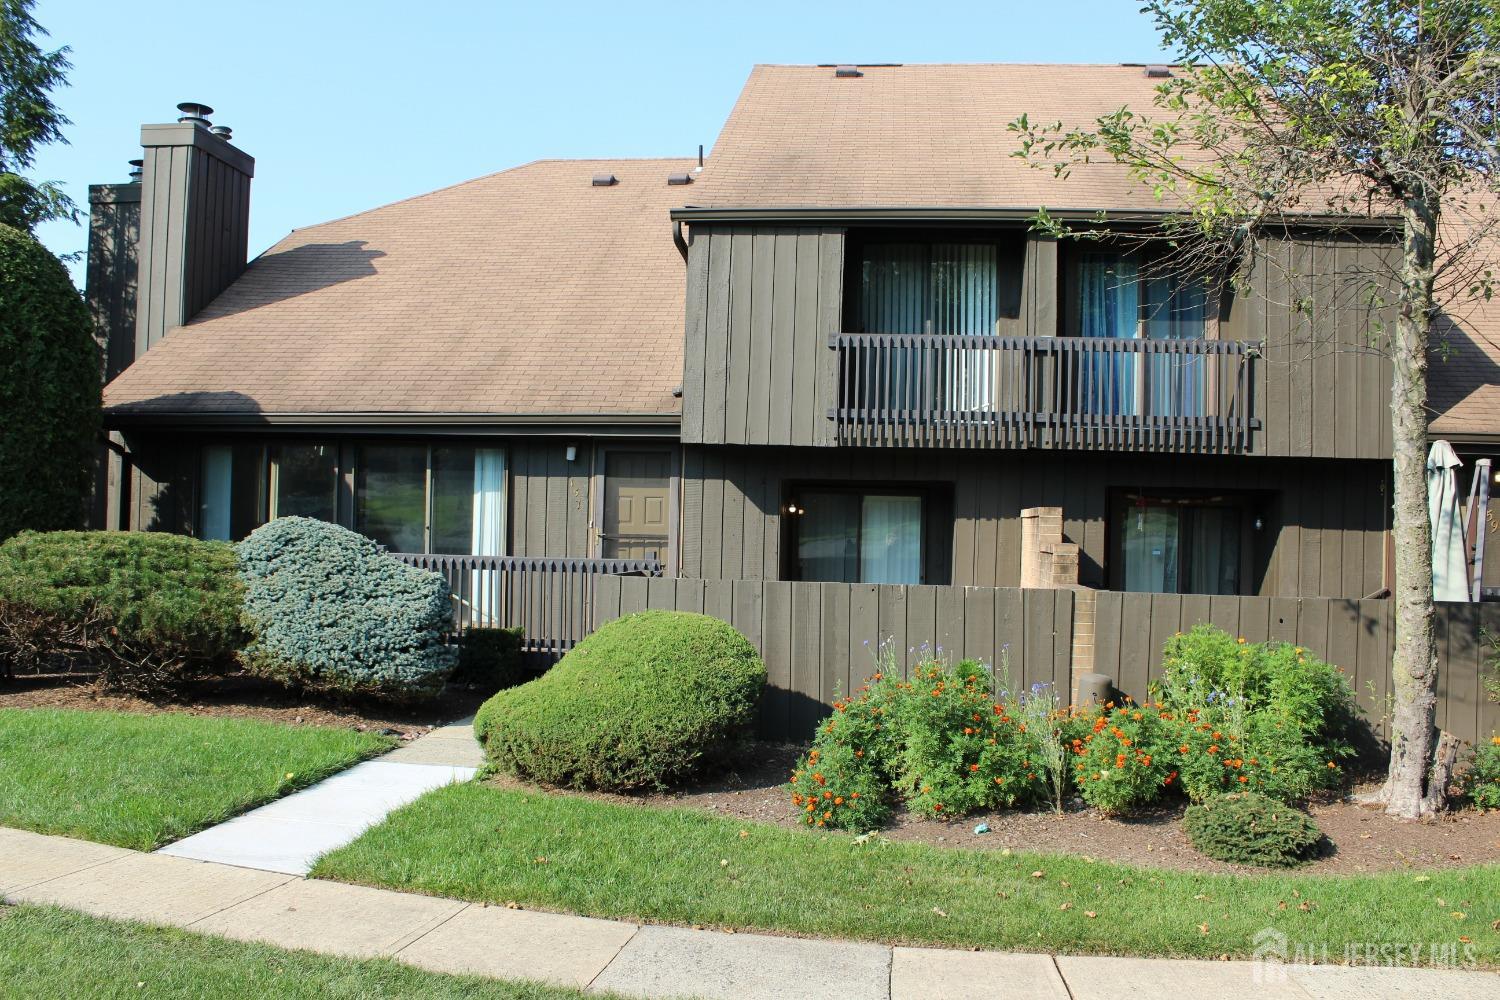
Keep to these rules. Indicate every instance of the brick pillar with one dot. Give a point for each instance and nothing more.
(1085, 607)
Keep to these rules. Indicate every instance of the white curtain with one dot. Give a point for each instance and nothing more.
(1150, 550)
(1109, 306)
(489, 530)
(891, 540)
(218, 480)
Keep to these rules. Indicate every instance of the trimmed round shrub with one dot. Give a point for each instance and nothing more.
(49, 390)
(329, 610)
(1250, 829)
(145, 610)
(644, 702)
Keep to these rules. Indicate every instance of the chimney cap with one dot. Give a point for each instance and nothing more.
(605, 180)
(223, 132)
(136, 167)
(194, 113)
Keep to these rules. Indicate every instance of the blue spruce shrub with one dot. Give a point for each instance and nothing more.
(329, 609)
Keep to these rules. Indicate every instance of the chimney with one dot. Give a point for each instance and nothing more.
(114, 231)
(194, 221)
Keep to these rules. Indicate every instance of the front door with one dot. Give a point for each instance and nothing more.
(635, 505)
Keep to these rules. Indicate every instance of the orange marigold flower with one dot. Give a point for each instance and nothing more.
(968, 731)
(838, 801)
(973, 767)
(1119, 760)
(1332, 766)
(1183, 748)
(828, 815)
(827, 795)
(1243, 779)
(938, 807)
(1213, 749)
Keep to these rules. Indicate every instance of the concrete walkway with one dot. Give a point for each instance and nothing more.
(288, 835)
(447, 935)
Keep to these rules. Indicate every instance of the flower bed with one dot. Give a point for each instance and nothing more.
(951, 739)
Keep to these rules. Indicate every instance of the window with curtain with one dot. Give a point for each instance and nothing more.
(447, 499)
(231, 491)
(934, 288)
(1116, 300)
(851, 536)
(1178, 547)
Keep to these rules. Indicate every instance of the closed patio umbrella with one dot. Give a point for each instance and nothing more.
(1450, 578)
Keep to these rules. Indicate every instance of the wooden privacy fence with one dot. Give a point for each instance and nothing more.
(819, 640)
(1359, 636)
(550, 598)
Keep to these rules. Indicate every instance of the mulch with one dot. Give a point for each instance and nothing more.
(1360, 840)
(241, 696)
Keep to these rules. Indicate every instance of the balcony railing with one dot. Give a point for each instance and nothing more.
(551, 598)
(1043, 392)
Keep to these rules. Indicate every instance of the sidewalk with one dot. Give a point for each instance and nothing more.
(446, 935)
(288, 835)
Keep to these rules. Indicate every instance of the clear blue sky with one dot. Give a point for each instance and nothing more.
(350, 104)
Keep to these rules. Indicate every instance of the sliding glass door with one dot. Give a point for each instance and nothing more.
(939, 289)
(1117, 301)
(1179, 547)
(446, 499)
(851, 536)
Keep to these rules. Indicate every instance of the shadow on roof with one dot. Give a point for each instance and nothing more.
(274, 277)
(1463, 361)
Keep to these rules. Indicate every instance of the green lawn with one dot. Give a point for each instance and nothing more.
(50, 953)
(478, 842)
(141, 781)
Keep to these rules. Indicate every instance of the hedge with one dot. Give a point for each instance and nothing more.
(146, 610)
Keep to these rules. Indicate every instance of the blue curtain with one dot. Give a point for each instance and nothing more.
(1109, 306)
(1176, 309)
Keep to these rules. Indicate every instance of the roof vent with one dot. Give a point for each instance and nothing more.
(675, 179)
(1158, 71)
(847, 70)
(223, 132)
(194, 114)
(135, 170)
(605, 180)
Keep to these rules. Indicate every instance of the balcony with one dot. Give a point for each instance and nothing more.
(1188, 396)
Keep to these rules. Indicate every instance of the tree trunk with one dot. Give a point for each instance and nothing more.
(1414, 667)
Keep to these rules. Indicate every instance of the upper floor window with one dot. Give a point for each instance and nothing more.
(1117, 296)
(943, 286)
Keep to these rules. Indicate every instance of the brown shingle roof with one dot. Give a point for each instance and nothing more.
(921, 136)
(529, 291)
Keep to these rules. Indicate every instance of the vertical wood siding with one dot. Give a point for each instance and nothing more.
(1323, 536)
(1326, 386)
(762, 301)
(1358, 636)
(819, 640)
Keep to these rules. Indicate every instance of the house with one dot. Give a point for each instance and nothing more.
(837, 353)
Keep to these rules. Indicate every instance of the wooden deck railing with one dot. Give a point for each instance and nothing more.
(1044, 392)
(551, 598)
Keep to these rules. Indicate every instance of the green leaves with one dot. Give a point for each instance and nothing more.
(28, 118)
